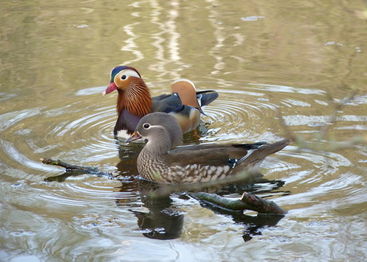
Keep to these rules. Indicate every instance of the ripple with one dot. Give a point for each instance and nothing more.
(86, 123)
(287, 89)
(245, 114)
(11, 151)
(80, 134)
(11, 118)
(83, 191)
(6, 96)
(30, 134)
(90, 91)
(309, 175)
(91, 131)
(315, 120)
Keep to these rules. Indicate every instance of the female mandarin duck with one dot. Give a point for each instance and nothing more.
(134, 100)
(161, 162)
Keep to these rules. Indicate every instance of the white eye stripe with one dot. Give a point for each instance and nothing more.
(125, 74)
(152, 126)
(129, 72)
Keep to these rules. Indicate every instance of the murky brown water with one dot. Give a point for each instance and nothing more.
(55, 59)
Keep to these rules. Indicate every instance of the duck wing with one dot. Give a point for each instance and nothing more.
(167, 103)
(197, 156)
(172, 102)
(209, 154)
(233, 151)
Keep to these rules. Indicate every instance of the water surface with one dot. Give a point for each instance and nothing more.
(295, 57)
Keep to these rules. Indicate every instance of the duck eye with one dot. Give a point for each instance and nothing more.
(123, 77)
(146, 125)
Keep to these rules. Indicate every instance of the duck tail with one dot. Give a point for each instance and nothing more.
(258, 154)
(205, 97)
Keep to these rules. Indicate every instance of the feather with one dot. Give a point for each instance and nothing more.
(136, 99)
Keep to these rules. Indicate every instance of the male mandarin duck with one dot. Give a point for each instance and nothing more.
(160, 161)
(134, 100)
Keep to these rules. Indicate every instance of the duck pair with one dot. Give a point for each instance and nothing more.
(162, 121)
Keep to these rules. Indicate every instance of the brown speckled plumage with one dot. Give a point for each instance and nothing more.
(160, 162)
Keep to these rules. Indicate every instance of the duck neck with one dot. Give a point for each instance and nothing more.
(136, 99)
(159, 144)
(157, 149)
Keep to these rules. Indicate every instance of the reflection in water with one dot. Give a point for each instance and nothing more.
(128, 154)
(160, 223)
(165, 221)
(130, 45)
(166, 44)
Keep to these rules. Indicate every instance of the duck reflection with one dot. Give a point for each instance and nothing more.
(165, 221)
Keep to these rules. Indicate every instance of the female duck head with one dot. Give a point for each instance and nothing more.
(160, 128)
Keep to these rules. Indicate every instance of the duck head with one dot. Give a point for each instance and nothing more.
(159, 126)
(121, 78)
(133, 94)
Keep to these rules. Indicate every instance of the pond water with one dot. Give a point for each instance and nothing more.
(299, 58)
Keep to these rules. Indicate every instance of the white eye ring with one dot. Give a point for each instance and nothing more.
(146, 126)
(123, 77)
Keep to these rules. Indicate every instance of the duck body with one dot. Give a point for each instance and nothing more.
(134, 100)
(161, 162)
(193, 165)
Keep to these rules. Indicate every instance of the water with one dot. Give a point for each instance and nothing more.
(261, 57)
